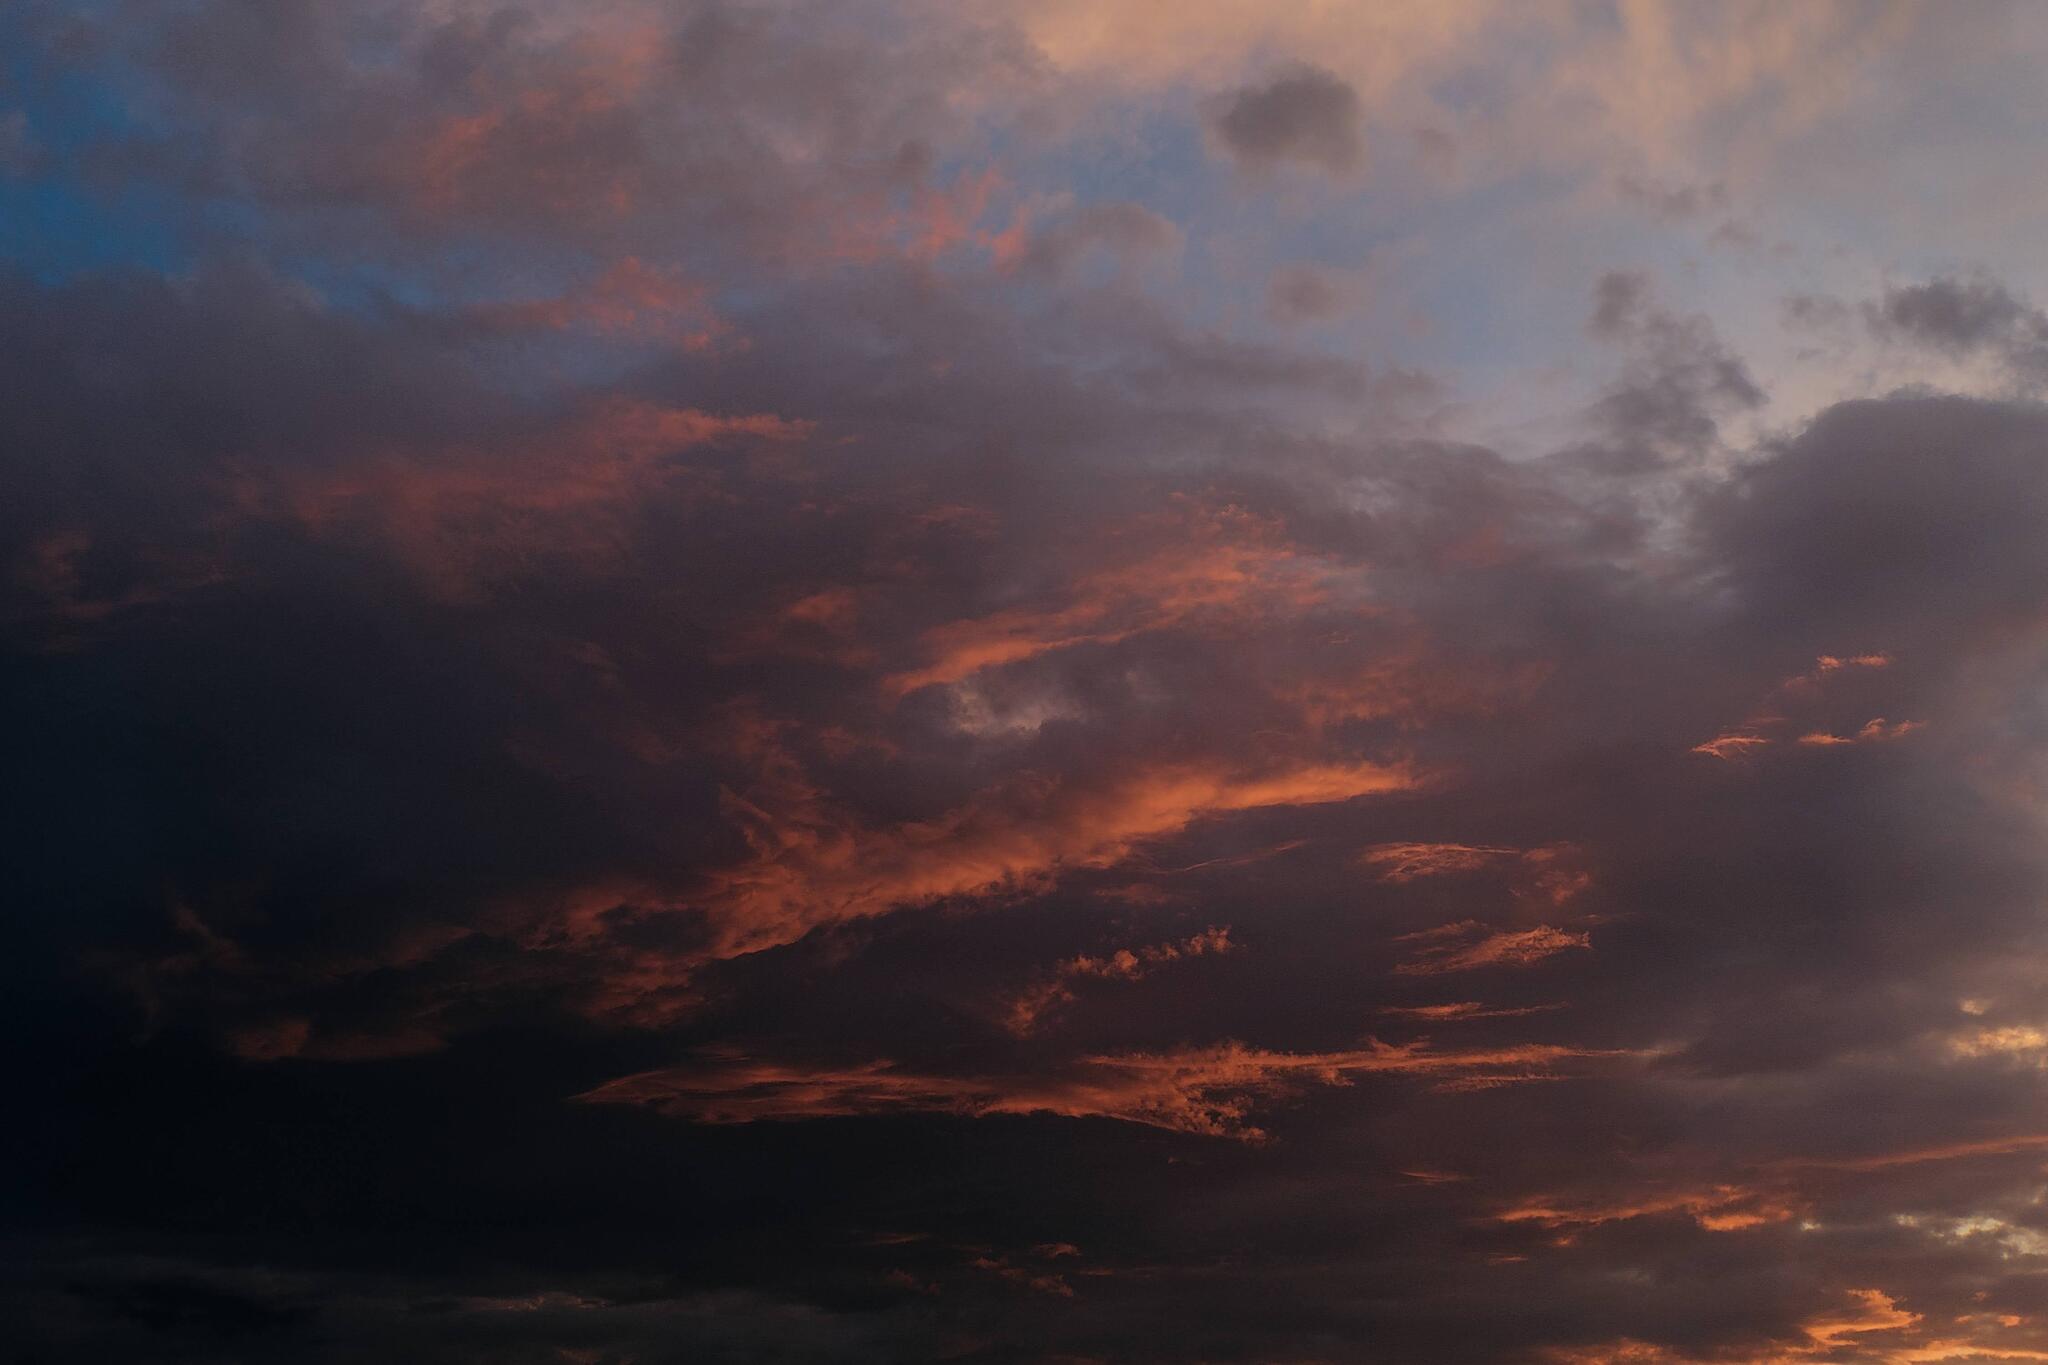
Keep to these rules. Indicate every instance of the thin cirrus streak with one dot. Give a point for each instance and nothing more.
(1225, 570)
(1720, 1208)
(1028, 1010)
(1210, 1091)
(1465, 1009)
(1407, 862)
(1550, 875)
(1731, 744)
(1467, 945)
(808, 870)
(1774, 1191)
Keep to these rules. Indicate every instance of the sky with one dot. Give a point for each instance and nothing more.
(1024, 680)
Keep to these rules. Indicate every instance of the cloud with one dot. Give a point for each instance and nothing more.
(1874, 729)
(1723, 1208)
(807, 868)
(457, 515)
(1122, 232)
(1680, 382)
(817, 578)
(1406, 862)
(1468, 945)
(1207, 1092)
(1027, 1011)
(1303, 115)
(1733, 744)
(1217, 569)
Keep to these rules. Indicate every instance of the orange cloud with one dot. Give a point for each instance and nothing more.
(1718, 1208)
(1467, 945)
(1732, 744)
(1463, 1009)
(819, 625)
(1860, 1326)
(1222, 568)
(1407, 862)
(452, 512)
(1549, 875)
(1874, 1311)
(1794, 692)
(630, 299)
(1125, 964)
(1825, 664)
(1913, 1156)
(1624, 1351)
(811, 865)
(1873, 731)
(1402, 683)
(1205, 1091)
(924, 224)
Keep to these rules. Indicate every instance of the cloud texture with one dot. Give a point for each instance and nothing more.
(766, 681)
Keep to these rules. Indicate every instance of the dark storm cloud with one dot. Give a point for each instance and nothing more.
(1303, 115)
(882, 793)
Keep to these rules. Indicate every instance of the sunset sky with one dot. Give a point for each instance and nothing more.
(1025, 680)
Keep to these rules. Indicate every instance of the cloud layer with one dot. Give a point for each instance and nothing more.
(1024, 682)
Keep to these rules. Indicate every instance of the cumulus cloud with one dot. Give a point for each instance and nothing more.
(1967, 316)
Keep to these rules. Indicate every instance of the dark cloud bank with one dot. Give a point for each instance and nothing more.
(854, 793)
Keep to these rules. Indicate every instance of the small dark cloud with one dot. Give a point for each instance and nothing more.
(1619, 298)
(1950, 313)
(1304, 116)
